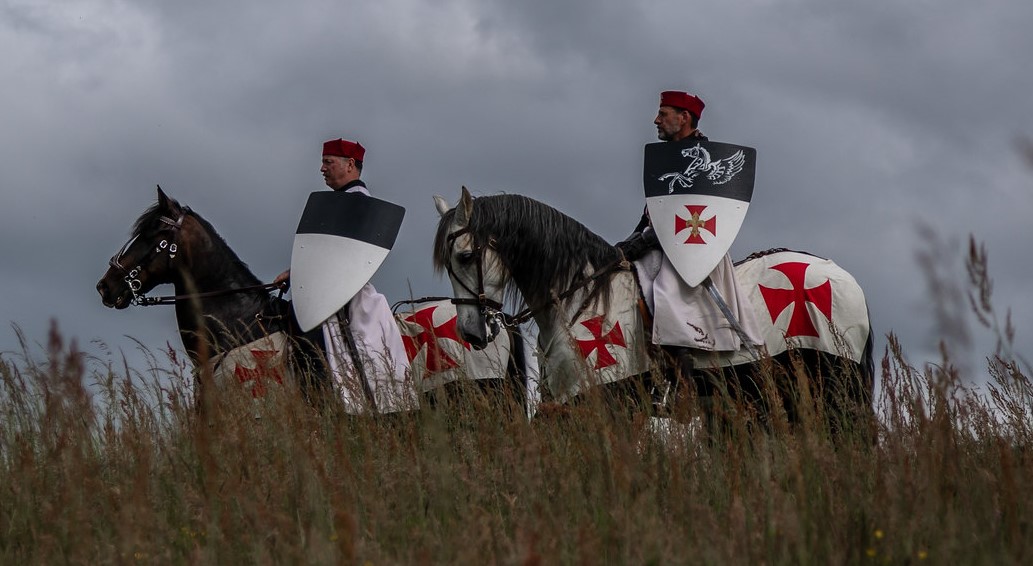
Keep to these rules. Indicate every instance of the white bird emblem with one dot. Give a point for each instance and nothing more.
(718, 172)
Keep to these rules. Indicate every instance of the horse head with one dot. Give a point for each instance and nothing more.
(149, 258)
(218, 301)
(466, 251)
(510, 246)
(700, 157)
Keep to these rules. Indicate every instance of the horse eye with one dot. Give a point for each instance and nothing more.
(464, 258)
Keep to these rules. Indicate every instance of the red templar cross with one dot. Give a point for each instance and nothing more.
(437, 359)
(694, 224)
(598, 342)
(777, 300)
(263, 370)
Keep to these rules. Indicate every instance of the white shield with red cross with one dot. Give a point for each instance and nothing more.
(697, 195)
(341, 241)
(437, 355)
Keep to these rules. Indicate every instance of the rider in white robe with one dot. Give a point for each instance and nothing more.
(689, 316)
(685, 316)
(380, 347)
(383, 371)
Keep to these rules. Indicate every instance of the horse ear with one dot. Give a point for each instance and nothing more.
(441, 204)
(165, 202)
(464, 208)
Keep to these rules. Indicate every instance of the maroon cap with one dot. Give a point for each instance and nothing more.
(679, 99)
(344, 148)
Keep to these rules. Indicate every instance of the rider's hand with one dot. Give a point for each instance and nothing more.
(639, 244)
(283, 278)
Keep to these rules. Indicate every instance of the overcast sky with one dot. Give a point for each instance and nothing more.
(870, 120)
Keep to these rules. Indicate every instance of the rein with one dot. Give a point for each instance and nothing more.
(145, 301)
(394, 307)
(493, 309)
(132, 276)
(529, 312)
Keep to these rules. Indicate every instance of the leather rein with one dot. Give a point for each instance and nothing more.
(492, 309)
(145, 301)
(168, 245)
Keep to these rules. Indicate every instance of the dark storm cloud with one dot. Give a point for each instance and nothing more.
(868, 120)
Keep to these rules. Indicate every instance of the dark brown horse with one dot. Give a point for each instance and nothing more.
(221, 303)
(220, 306)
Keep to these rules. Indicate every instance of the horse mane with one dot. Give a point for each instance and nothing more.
(150, 222)
(544, 250)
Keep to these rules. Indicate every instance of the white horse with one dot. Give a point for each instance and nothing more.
(586, 303)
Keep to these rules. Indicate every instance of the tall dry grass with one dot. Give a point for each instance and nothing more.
(109, 464)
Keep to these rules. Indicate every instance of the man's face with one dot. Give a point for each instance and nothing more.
(337, 170)
(670, 122)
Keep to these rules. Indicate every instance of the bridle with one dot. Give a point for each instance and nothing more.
(168, 245)
(490, 309)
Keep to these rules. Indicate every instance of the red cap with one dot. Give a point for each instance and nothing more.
(344, 148)
(679, 99)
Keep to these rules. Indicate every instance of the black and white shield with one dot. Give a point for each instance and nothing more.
(341, 241)
(697, 194)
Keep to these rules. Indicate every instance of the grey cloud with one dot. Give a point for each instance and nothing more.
(868, 120)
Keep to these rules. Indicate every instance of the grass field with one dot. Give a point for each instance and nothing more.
(116, 466)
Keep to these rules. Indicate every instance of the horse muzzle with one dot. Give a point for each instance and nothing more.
(112, 298)
(479, 340)
(482, 334)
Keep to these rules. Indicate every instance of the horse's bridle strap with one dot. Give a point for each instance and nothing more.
(481, 300)
(132, 276)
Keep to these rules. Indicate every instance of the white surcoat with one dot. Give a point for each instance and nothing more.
(381, 351)
(689, 316)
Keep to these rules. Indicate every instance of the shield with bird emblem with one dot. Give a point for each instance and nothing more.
(697, 194)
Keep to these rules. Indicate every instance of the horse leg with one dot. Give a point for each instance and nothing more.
(309, 364)
(722, 400)
(686, 391)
